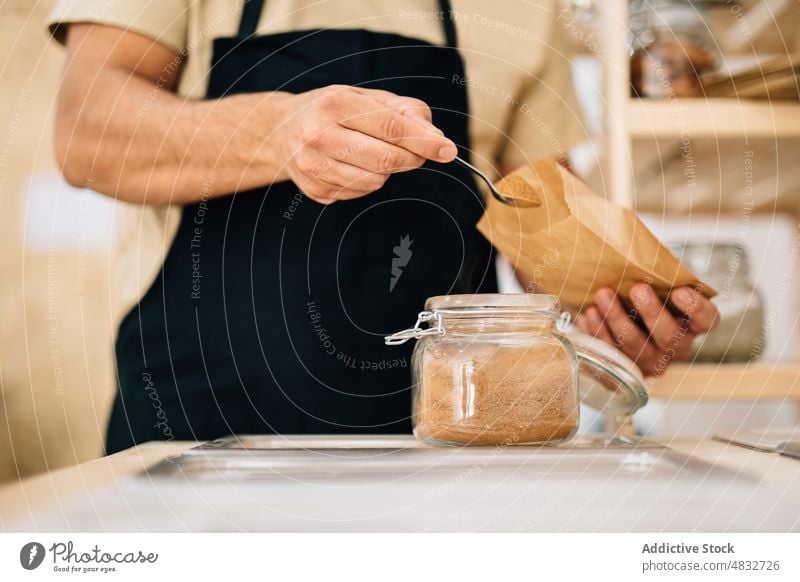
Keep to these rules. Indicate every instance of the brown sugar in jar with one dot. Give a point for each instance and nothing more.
(496, 395)
(492, 370)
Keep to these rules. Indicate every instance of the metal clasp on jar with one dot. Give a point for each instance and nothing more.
(417, 331)
(564, 323)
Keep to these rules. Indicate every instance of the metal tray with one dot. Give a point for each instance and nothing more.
(252, 443)
(381, 458)
(294, 442)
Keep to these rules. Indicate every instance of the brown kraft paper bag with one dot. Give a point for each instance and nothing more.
(576, 242)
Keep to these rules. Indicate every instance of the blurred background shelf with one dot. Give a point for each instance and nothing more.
(750, 381)
(697, 169)
(713, 118)
(628, 123)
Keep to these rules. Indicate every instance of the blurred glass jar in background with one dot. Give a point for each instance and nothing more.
(671, 46)
(740, 335)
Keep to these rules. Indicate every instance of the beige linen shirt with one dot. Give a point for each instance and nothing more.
(522, 101)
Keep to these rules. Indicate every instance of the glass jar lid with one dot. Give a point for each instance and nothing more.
(509, 306)
(491, 302)
(610, 382)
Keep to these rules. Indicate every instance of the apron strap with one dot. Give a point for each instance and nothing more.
(251, 14)
(449, 26)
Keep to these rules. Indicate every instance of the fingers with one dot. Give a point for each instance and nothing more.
(327, 180)
(667, 338)
(371, 117)
(414, 108)
(580, 322)
(665, 330)
(324, 192)
(625, 334)
(342, 181)
(701, 314)
(345, 141)
(353, 178)
(361, 151)
(595, 326)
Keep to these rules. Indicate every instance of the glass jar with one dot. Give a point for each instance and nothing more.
(740, 335)
(496, 369)
(670, 46)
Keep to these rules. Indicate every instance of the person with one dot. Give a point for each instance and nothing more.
(292, 165)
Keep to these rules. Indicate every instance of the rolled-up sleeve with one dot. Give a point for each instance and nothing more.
(165, 21)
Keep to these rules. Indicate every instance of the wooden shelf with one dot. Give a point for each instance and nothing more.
(753, 381)
(713, 117)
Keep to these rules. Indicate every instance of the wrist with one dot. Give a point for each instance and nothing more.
(274, 115)
(257, 137)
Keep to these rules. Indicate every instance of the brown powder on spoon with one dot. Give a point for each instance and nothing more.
(496, 396)
(516, 187)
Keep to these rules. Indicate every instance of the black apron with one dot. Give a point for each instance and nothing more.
(269, 312)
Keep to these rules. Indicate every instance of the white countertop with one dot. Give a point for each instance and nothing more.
(475, 489)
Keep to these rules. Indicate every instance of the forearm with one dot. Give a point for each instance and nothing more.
(120, 130)
(126, 137)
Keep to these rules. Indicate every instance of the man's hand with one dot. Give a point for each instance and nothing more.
(668, 337)
(344, 142)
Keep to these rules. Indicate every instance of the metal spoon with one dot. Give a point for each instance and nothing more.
(519, 202)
